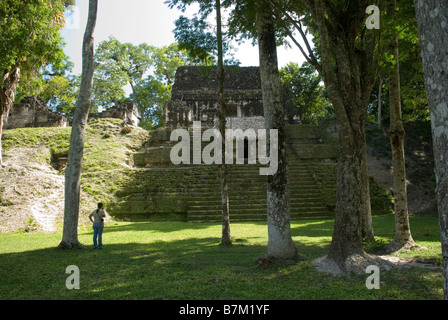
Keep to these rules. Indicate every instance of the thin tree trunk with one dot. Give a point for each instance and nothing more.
(380, 103)
(225, 238)
(1, 133)
(403, 237)
(280, 245)
(367, 224)
(75, 154)
(10, 81)
(432, 20)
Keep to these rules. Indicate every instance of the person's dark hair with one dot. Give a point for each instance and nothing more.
(100, 206)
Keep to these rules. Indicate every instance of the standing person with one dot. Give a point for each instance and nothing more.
(98, 216)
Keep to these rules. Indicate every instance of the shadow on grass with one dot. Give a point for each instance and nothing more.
(312, 228)
(194, 268)
(145, 226)
(154, 260)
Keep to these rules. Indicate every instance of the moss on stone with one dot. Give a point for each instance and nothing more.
(131, 173)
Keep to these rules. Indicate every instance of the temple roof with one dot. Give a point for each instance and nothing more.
(194, 78)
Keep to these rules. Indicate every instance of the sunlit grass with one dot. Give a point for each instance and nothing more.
(179, 260)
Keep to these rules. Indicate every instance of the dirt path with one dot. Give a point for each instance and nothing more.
(31, 194)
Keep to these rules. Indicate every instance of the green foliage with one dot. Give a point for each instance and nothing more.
(149, 72)
(309, 97)
(197, 35)
(31, 85)
(154, 90)
(241, 21)
(413, 94)
(116, 65)
(69, 3)
(152, 94)
(30, 34)
(51, 80)
(61, 93)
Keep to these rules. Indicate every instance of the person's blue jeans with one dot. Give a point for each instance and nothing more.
(97, 235)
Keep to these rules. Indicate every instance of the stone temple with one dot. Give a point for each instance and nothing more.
(156, 188)
(191, 192)
(194, 97)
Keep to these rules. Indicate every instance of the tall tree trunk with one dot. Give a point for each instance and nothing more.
(367, 224)
(75, 154)
(347, 232)
(225, 238)
(380, 104)
(280, 245)
(349, 85)
(432, 20)
(10, 81)
(403, 237)
(2, 117)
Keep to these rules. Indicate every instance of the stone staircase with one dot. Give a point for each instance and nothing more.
(247, 195)
(247, 189)
(157, 189)
(306, 197)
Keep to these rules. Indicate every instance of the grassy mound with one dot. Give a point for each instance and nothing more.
(32, 180)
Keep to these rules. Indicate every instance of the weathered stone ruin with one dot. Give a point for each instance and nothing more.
(155, 188)
(159, 189)
(33, 112)
(194, 97)
(127, 112)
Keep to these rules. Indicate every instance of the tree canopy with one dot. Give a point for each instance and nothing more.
(146, 70)
(30, 33)
(30, 39)
(309, 98)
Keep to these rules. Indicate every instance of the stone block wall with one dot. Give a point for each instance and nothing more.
(32, 112)
(158, 189)
(127, 112)
(194, 95)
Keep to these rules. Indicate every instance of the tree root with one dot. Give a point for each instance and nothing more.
(265, 261)
(396, 246)
(72, 245)
(358, 263)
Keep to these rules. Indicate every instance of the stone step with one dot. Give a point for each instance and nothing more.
(199, 188)
(197, 200)
(201, 197)
(206, 192)
(256, 217)
(253, 186)
(244, 201)
(312, 207)
(247, 189)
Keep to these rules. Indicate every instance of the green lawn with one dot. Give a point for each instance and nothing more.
(178, 260)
